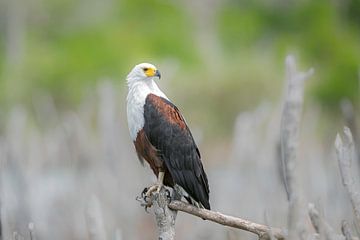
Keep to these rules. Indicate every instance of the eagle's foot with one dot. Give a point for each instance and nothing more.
(144, 200)
(154, 188)
(146, 197)
(168, 194)
(157, 186)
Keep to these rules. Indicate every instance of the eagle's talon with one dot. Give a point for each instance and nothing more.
(154, 188)
(143, 193)
(140, 199)
(146, 206)
(147, 199)
(145, 202)
(168, 194)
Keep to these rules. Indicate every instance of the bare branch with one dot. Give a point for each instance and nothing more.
(357, 230)
(290, 123)
(323, 229)
(31, 228)
(345, 229)
(165, 211)
(260, 230)
(314, 217)
(270, 233)
(94, 220)
(345, 153)
(348, 113)
(319, 224)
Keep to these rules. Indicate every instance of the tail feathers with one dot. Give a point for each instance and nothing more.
(200, 204)
(197, 204)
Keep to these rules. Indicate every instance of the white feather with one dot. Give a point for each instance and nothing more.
(140, 86)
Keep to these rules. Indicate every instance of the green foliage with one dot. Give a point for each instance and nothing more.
(64, 59)
(70, 45)
(315, 28)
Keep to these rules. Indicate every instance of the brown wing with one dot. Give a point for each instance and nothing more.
(167, 131)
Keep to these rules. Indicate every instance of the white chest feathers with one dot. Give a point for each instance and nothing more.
(136, 99)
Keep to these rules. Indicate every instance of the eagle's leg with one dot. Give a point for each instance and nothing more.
(157, 186)
(160, 181)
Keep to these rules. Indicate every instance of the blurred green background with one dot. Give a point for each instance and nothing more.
(64, 142)
(211, 53)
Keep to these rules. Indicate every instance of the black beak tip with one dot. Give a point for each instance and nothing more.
(158, 74)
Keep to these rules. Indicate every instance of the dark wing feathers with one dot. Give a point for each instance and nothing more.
(168, 133)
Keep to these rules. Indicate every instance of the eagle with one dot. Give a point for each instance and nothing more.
(162, 138)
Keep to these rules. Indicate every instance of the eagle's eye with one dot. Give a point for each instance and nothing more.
(145, 69)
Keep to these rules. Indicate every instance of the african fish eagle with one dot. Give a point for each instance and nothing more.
(162, 138)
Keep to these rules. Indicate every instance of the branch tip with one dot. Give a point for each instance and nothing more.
(338, 142)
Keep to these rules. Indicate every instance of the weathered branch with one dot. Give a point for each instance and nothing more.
(290, 123)
(348, 113)
(270, 233)
(345, 153)
(258, 229)
(165, 210)
(31, 227)
(320, 225)
(165, 218)
(322, 228)
(94, 220)
(345, 229)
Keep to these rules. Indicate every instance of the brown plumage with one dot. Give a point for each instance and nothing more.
(170, 112)
(166, 143)
(146, 151)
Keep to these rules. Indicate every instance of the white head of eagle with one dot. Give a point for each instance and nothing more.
(162, 137)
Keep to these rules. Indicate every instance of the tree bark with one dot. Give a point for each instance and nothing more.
(345, 153)
(165, 217)
(290, 124)
(261, 230)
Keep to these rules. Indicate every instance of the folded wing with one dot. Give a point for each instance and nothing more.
(167, 131)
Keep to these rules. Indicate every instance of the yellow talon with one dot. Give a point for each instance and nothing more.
(157, 186)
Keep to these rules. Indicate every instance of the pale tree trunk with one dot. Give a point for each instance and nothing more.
(290, 125)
